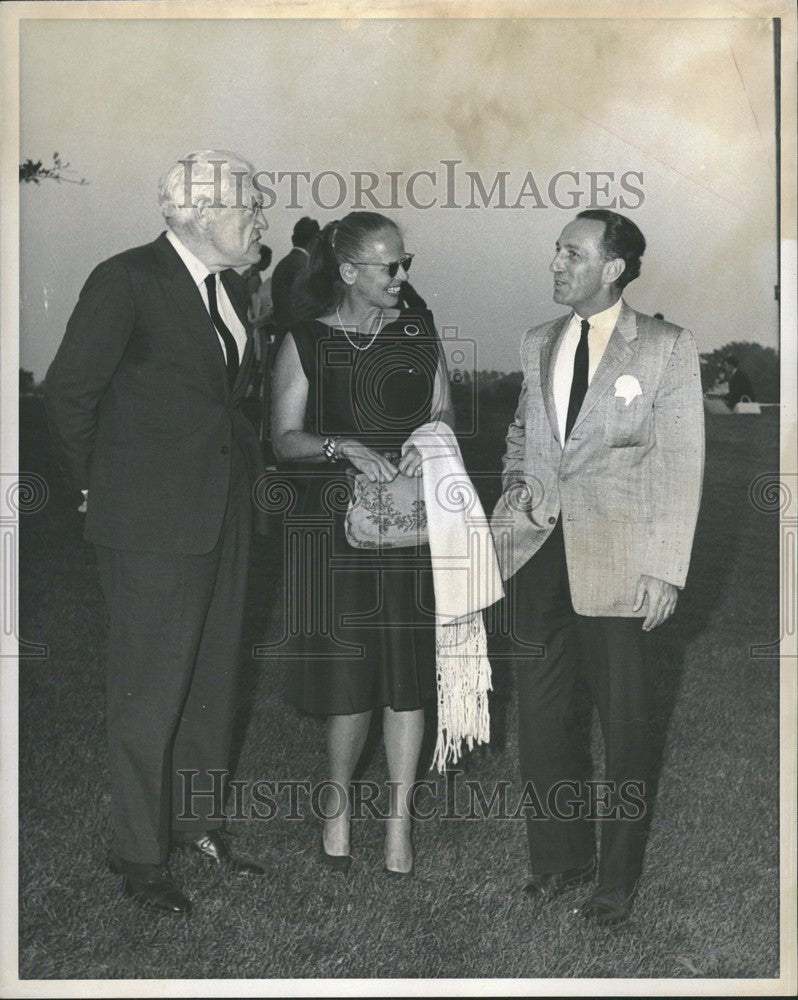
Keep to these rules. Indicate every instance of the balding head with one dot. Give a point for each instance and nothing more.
(212, 176)
(209, 201)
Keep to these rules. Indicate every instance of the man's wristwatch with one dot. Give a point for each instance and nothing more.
(330, 449)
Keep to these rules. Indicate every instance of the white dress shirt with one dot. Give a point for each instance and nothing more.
(601, 327)
(199, 272)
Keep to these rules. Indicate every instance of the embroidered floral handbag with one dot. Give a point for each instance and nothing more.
(387, 515)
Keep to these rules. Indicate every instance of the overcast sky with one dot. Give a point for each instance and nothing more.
(679, 113)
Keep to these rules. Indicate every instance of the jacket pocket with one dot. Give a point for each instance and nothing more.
(629, 425)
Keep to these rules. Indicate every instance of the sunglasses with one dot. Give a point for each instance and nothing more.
(393, 265)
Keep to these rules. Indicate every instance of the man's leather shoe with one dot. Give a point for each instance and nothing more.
(609, 906)
(547, 887)
(213, 846)
(150, 885)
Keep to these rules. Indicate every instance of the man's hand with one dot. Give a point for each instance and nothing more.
(662, 598)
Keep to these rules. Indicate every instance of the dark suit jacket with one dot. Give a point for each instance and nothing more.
(140, 408)
(285, 273)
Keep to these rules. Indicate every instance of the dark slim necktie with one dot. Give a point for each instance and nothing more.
(579, 381)
(230, 346)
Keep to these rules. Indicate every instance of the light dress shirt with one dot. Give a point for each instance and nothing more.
(199, 272)
(601, 327)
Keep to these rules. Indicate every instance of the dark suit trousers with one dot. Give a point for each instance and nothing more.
(608, 653)
(174, 652)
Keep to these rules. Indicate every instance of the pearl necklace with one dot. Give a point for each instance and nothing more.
(357, 347)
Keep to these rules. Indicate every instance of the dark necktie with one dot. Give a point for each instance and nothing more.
(579, 381)
(230, 346)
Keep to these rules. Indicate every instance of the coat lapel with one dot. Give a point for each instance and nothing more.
(232, 294)
(197, 318)
(616, 355)
(548, 356)
(241, 312)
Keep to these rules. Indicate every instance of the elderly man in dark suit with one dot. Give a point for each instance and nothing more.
(602, 481)
(143, 402)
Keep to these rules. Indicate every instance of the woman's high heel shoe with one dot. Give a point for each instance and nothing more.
(395, 874)
(335, 862)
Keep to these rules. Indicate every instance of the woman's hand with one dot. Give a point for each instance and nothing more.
(410, 464)
(376, 467)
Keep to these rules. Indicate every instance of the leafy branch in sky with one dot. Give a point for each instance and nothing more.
(32, 172)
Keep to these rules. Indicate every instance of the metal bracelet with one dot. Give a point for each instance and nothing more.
(329, 449)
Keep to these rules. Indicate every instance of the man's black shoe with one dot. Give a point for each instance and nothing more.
(547, 887)
(150, 885)
(213, 846)
(609, 906)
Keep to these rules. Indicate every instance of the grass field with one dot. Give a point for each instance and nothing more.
(708, 902)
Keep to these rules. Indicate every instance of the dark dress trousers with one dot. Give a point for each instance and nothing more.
(554, 648)
(143, 416)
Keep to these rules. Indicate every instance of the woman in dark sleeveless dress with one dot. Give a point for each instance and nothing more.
(350, 386)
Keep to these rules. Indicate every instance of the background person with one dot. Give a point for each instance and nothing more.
(261, 317)
(259, 290)
(739, 383)
(286, 272)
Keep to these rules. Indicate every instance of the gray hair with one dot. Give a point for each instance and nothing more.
(207, 173)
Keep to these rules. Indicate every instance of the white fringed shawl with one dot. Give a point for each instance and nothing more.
(466, 577)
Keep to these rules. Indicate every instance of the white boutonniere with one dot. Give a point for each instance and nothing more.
(628, 387)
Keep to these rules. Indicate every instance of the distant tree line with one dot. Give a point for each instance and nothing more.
(496, 388)
(760, 364)
(27, 383)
